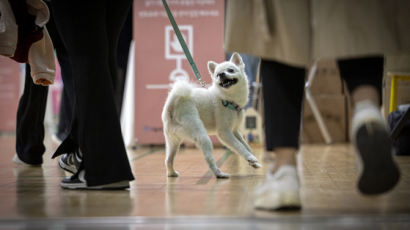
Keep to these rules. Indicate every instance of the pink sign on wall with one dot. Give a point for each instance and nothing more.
(9, 93)
(55, 91)
(159, 59)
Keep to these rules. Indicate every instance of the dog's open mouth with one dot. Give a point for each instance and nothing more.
(226, 82)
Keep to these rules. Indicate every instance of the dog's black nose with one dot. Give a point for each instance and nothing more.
(221, 75)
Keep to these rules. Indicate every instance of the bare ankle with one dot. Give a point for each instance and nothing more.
(284, 156)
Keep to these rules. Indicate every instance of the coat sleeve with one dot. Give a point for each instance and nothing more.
(42, 61)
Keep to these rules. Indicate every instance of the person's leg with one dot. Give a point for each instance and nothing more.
(282, 95)
(65, 115)
(123, 49)
(115, 19)
(251, 69)
(30, 122)
(67, 104)
(363, 77)
(66, 112)
(84, 34)
(370, 134)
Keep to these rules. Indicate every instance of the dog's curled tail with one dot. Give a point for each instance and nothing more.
(180, 89)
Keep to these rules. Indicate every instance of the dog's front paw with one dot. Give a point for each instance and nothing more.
(221, 175)
(254, 162)
(255, 165)
(173, 173)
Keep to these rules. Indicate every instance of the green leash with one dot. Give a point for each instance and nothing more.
(183, 44)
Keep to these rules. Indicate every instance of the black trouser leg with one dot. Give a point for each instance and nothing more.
(283, 94)
(122, 57)
(84, 30)
(116, 18)
(30, 121)
(66, 113)
(283, 88)
(363, 71)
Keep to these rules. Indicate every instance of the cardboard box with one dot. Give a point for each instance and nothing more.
(327, 79)
(349, 115)
(333, 109)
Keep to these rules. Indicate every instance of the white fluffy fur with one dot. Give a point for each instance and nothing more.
(193, 112)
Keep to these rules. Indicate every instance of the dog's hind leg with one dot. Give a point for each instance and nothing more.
(171, 148)
(195, 130)
(204, 142)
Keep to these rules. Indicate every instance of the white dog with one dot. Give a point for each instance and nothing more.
(192, 112)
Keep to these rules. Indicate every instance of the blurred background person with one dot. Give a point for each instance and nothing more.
(90, 32)
(289, 36)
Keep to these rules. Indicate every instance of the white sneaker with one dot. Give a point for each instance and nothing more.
(378, 171)
(77, 181)
(280, 190)
(70, 162)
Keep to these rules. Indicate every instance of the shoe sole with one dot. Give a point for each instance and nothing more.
(83, 186)
(66, 167)
(289, 201)
(380, 172)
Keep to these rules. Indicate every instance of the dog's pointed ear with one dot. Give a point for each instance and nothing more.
(211, 67)
(237, 60)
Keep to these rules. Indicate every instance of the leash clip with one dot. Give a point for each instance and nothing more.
(202, 83)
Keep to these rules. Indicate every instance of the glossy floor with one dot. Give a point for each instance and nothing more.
(31, 198)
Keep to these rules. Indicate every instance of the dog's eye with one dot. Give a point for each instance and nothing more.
(230, 70)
